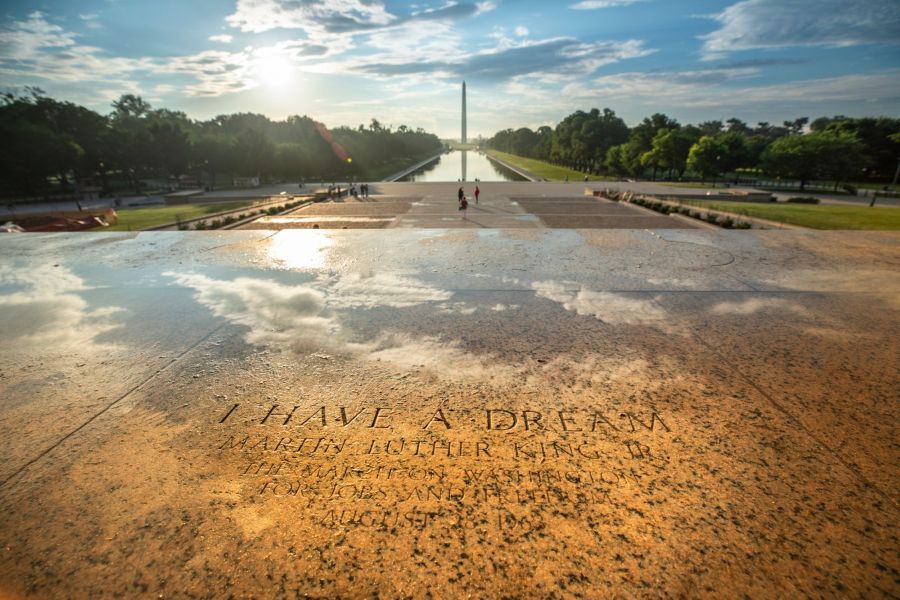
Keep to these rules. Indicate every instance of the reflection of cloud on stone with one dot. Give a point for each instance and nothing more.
(611, 308)
(443, 358)
(755, 305)
(456, 308)
(500, 307)
(43, 309)
(670, 282)
(819, 324)
(294, 317)
(355, 290)
(880, 282)
(300, 318)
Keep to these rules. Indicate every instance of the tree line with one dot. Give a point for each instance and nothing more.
(56, 144)
(840, 149)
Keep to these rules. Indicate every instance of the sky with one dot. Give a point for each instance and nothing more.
(526, 62)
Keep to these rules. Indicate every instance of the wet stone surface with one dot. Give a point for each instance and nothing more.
(432, 413)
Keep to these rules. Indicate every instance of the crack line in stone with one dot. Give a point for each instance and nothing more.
(792, 418)
(108, 407)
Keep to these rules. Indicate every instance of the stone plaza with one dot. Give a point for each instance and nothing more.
(555, 396)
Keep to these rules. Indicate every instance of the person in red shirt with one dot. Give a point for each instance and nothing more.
(477, 191)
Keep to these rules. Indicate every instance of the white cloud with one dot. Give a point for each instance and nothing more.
(709, 89)
(23, 40)
(224, 38)
(483, 7)
(36, 48)
(521, 31)
(550, 60)
(91, 21)
(782, 23)
(595, 4)
(311, 15)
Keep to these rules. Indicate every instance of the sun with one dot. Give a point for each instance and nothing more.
(274, 71)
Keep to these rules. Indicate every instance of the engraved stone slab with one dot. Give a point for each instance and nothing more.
(434, 413)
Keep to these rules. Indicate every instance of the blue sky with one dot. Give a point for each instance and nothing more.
(527, 62)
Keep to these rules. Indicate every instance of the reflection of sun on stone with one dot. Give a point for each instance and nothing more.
(300, 249)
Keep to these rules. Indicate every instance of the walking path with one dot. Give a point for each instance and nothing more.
(502, 206)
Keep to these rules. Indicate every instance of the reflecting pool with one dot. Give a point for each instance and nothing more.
(463, 165)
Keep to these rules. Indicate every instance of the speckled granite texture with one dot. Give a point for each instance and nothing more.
(442, 414)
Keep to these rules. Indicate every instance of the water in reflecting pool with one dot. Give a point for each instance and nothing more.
(465, 166)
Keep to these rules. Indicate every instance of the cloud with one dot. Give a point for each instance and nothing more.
(316, 15)
(36, 48)
(611, 308)
(23, 40)
(595, 4)
(224, 38)
(710, 88)
(91, 21)
(483, 7)
(755, 24)
(450, 11)
(339, 16)
(553, 59)
(521, 31)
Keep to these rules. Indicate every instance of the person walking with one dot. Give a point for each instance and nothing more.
(460, 194)
(477, 192)
(463, 205)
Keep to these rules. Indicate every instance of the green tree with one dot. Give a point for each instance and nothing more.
(815, 155)
(254, 153)
(129, 105)
(671, 147)
(705, 157)
(735, 154)
(616, 160)
(879, 151)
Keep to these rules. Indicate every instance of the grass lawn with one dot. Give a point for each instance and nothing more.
(813, 216)
(546, 170)
(134, 219)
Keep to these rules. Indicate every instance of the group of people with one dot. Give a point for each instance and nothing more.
(335, 189)
(362, 191)
(463, 201)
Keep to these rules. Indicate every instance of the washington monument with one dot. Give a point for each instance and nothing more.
(463, 140)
